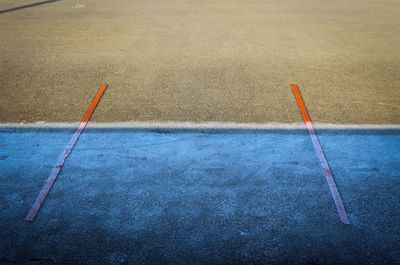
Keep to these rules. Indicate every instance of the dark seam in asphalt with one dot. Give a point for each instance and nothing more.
(27, 6)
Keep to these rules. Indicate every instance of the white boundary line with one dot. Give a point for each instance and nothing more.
(203, 125)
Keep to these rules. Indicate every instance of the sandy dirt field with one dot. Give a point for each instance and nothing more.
(230, 61)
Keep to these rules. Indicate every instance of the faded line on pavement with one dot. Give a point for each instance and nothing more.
(321, 156)
(61, 161)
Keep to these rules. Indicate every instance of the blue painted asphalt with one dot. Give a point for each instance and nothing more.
(193, 197)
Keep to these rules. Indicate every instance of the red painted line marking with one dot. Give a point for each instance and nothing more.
(321, 156)
(60, 163)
